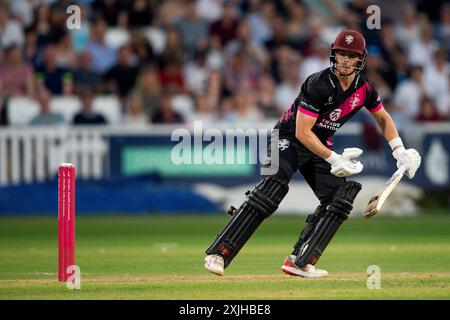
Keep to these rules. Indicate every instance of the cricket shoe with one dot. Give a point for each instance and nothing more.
(214, 263)
(308, 271)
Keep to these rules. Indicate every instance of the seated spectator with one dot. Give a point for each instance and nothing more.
(46, 117)
(31, 50)
(148, 89)
(65, 55)
(242, 71)
(266, 89)
(192, 28)
(427, 111)
(296, 20)
(171, 76)
(16, 75)
(211, 10)
(52, 75)
(436, 81)
(442, 28)
(142, 48)
(204, 110)
(103, 56)
(407, 29)
(196, 73)
(225, 29)
(421, 50)
(42, 24)
(134, 114)
(317, 61)
(83, 76)
(408, 96)
(173, 47)
(279, 37)
(245, 109)
(165, 114)
(11, 32)
(121, 78)
(379, 72)
(260, 22)
(288, 89)
(87, 116)
(257, 53)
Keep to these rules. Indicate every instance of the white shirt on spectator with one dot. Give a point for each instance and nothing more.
(207, 118)
(24, 10)
(261, 29)
(196, 77)
(252, 116)
(407, 98)
(436, 85)
(12, 34)
(285, 94)
(406, 36)
(211, 10)
(312, 65)
(141, 120)
(420, 53)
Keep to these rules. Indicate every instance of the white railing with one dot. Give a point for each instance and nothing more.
(33, 154)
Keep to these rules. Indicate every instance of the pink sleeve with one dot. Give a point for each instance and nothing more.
(377, 108)
(308, 112)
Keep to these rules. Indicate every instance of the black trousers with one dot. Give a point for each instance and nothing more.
(294, 156)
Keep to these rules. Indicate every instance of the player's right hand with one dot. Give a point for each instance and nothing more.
(343, 165)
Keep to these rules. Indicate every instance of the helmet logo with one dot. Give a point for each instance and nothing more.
(349, 38)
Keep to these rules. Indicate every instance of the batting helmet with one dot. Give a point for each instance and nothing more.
(351, 41)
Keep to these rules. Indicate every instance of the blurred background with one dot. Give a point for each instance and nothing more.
(108, 95)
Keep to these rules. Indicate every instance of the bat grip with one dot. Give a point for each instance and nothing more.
(401, 170)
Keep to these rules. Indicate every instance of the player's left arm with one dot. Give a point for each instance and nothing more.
(409, 158)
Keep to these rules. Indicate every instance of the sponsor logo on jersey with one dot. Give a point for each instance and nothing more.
(335, 114)
(329, 102)
(354, 101)
(283, 144)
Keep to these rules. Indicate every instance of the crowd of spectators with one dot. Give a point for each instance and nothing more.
(173, 61)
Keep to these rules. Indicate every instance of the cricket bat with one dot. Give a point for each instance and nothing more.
(377, 201)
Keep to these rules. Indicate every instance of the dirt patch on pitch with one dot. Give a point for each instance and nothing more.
(227, 278)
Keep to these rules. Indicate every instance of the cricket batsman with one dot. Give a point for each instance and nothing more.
(326, 101)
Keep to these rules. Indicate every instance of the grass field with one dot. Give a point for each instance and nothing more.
(156, 257)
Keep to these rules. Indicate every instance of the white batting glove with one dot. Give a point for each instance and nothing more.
(410, 158)
(343, 165)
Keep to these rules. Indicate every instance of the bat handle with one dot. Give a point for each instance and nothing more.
(401, 170)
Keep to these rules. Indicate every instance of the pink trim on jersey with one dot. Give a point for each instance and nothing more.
(307, 112)
(346, 106)
(330, 141)
(377, 108)
(287, 114)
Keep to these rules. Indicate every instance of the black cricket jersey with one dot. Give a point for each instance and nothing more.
(322, 97)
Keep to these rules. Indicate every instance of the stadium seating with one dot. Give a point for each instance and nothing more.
(67, 106)
(109, 106)
(21, 110)
(184, 105)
